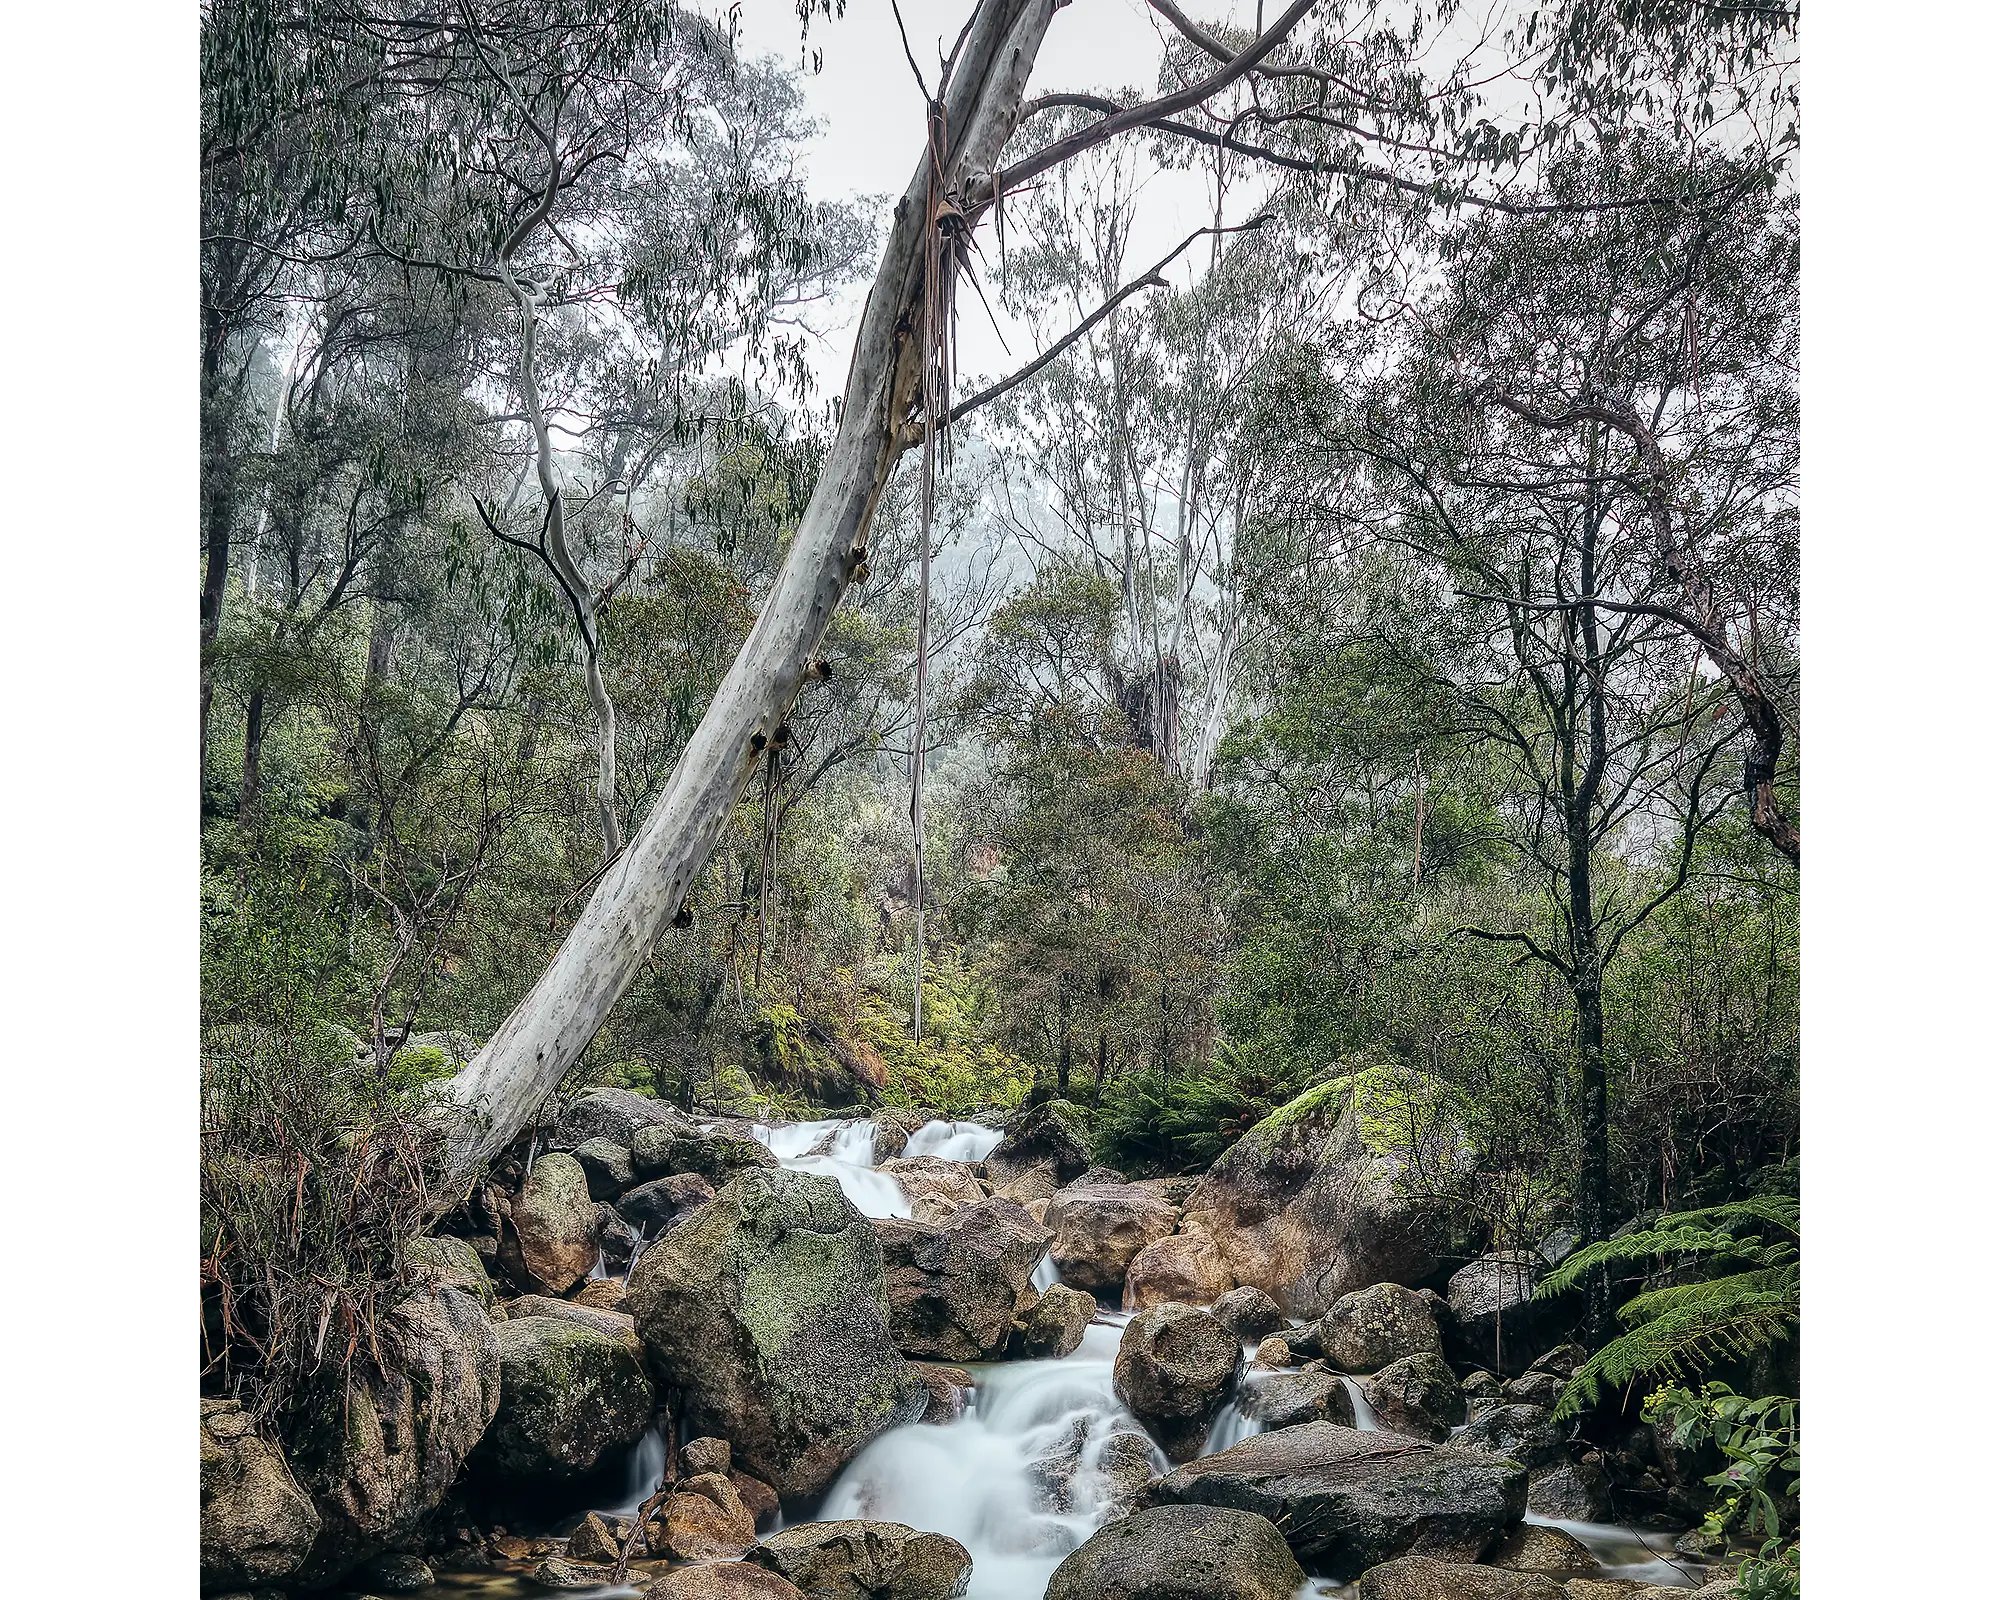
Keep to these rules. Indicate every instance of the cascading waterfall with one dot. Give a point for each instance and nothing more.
(1000, 1479)
(847, 1157)
(1046, 1277)
(953, 1141)
(1365, 1420)
(1234, 1423)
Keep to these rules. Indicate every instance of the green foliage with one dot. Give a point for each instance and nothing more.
(956, 1071)
(1182, 1124)
(1759, 1441)
(1746, 1299)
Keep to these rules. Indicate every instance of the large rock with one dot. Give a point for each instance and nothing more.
(1285, 1399)
(1526, 1433)
(1312, 1203)
(257, 1524)
(607, 1167)
(1572, 1491)
(707, 1520)
(1052, 1135)
(718, 1157)
(1417, 1395)
(553, 1239)
(1248, 1312)
(768, 1311)
(1127, 1464)
(893, 1127)
(573, 1390)
(1498, 1290)
(1174, 1368)
(953, 1285)
(379, 1453)
(867, 1561)
(1180, 1553)
(658, 1205)
(936, 1188)
(722, 1580)
(1054, 1325)
(1349, 1500)
(445, 1260)
(1185, 1266)
(614, 1114)
(1098, 1232)
(1536, 1547)
(1366, 1330)
(1420, 1578)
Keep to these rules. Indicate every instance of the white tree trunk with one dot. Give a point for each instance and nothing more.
(510, 1077)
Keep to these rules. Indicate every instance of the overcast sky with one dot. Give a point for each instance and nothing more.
(872, 117)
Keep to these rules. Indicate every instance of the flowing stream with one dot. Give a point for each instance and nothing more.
(1017, 1479)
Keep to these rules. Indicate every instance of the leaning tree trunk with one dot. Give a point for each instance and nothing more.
(501, 1088)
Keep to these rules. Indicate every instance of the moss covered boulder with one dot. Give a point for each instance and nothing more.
(378, 1454)
(257, 1524)
(1316, 1200)
(1181, 1553)
(614, 1114)
(716, 1157)
(1054, 1325)
(571, 1394)
(1418, 1395)
(551, 1240)
(767, 1309)
(1420, 1578)
(1366, 1330)
(444, 1260)
(1493, 1318)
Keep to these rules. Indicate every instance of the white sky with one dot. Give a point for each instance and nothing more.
(872, 125)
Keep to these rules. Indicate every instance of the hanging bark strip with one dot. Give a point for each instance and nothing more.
(945, 238)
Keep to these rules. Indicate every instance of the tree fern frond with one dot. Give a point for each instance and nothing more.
(1717, 1293)
(1678, 1341)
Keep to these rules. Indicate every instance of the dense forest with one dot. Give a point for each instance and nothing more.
(1341, 677)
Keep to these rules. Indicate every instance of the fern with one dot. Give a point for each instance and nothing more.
(1677, 1329)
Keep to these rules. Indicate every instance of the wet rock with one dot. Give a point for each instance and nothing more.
(768, 1310)
(1572, 1491)
(551, 1239)
(1501, 1288)
(614, 1114)
(1052, 1474)
(1290, 1398)
(937, 1188)
(722, 1580)
(1051, 1135)
(893, 1127)
(947, 1386)
(704, 1455)
(1303, 1342)
(1185, 1267)
(1366, 1330)
(953, 1285)
(607, 1167)
(442, 1260)
(1533, 1389)
(1098, 1231)
(1480, 1384)
(1175, 1365)
(1417, 1395)
(1180, 1553)
(612, 1324)
(571, 1393)
(1525, 1433)
(707, 1520)
(660, 1203)
(1127, 1464)
(1248, 1312)
(1420, 1578)
(384, 1450)
(1350, 1500)
(560, 1572)
(1054, 1326)
(758, 1495)
(603, 1294)
(396, 1573)
(861, 1560)
(256, 1522)
(1533, 1547)
(1098, 1175)
(718, 1157)
(1307, 1205)
(1274, 1352)
(593, 1539)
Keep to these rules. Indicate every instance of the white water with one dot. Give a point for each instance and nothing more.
(642, 1473)
(1046, 1277)
(1232, 1423)
(1625, 1552)
(849, 1160)
(974, 1479)
(1365, 1420)
(953, 1141)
